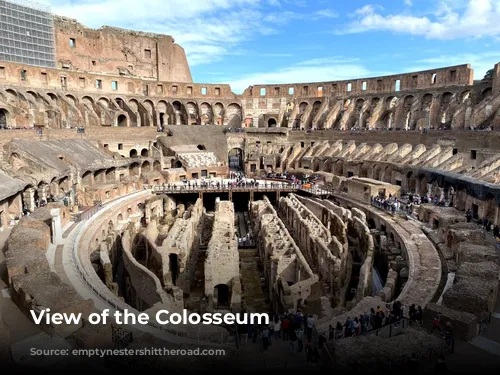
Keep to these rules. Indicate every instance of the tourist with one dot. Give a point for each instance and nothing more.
(420, 315)
(468, 215)
(331, 333)
(496, 231)
(309, 326)
(300, 338)
(265, 338)
(285, 323)
(277, 328)
(339, 330)
(448, 336)
(436, 324)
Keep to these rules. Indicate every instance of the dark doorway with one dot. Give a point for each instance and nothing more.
(3, 118)
(235, 158)
(121, 121)
(162, 119)
(475, 211)
(221, 295)
(133, 153)
(174, 267)
(271, 123)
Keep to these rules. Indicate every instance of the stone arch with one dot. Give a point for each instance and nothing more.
(87, 178)
(219, 113)
(465, 95)
(180, 117)
(486, 93)
(34, 97)
(133, 153)
(110, 174)
(122, 120)
(88, 102)
(192, 113)
(144, 153)
(235, 159)
(234, 115)
(134, 169)
(426, 101)
(272, 122)
(156, 166)
(103, 102)
(53, 97)
(4, 118)
(165, 113)
(12, 95)
(72, 99)
(146, 166)
(206, 113)
(134, 105)
(149, 106)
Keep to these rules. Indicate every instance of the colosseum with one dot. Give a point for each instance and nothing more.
(124, 185)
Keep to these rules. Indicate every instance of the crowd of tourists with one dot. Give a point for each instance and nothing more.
(296, 329)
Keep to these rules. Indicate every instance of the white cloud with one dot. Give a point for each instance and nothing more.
(305, 71)
(453, 19)
(480, 62)
(408, 3)
(208, 30)
(325, 13)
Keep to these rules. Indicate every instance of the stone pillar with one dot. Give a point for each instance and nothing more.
(56, 226)
(441, 194)
(429, 190)
(29, 199)
(42, 193)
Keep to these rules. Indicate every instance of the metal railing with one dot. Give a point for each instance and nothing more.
(181, 189)
(405, 323)
(91, 283)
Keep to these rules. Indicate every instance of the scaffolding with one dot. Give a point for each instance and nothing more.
(27, 33)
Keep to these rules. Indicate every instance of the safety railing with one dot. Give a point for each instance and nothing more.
(111, 301)
(386, 328)
(225, 188)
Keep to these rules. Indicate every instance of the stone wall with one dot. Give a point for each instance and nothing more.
(147, 288)
(222, 262)
(111, 50)
(181, 240)
(35, 286)
(291, 282)
(324, 253)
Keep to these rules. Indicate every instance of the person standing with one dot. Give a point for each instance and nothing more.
(300, 338)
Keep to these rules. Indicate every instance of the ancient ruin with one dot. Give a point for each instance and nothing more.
(118, 190)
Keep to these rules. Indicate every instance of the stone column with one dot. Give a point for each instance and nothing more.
(42, 193)
(29, 199)
(56, 226)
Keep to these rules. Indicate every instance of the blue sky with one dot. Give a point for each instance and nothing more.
(246, 42)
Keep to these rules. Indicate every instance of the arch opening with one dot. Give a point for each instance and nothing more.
(221, 295)
(173, 260)
(272, 123)
(121, 121)
(235, 159)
